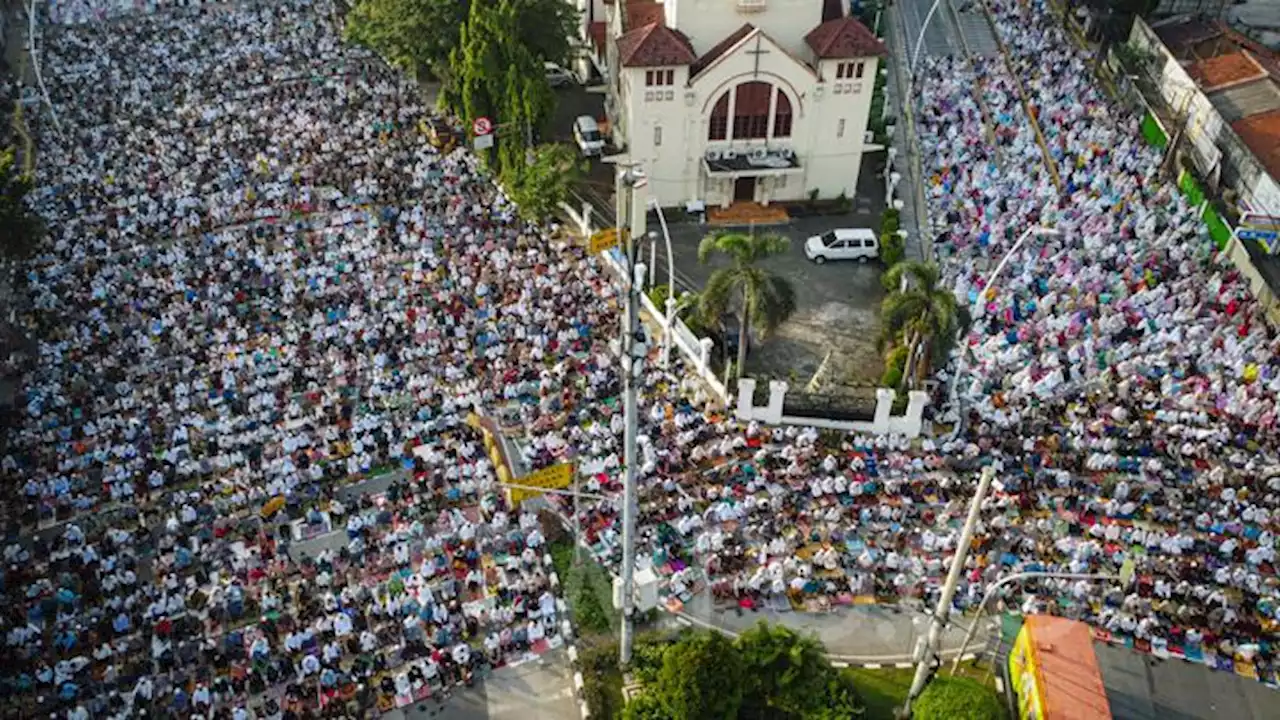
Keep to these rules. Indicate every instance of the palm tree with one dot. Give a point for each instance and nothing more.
(920, 315)
(766, 300)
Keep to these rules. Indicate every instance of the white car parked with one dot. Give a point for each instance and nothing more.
(586, 133)
(858, 244)
(558, 76)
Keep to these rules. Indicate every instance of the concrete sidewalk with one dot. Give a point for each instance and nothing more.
(865, 635)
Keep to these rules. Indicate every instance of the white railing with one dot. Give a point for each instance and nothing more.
(697, 351)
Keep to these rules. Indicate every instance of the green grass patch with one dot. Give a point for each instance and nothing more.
(1218, 228)
(884, 690)
(1152, 132)
(587, 589)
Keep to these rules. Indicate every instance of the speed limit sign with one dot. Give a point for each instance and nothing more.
(481, 126)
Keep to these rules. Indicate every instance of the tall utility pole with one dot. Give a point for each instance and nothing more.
(634, 349)
(928, 662)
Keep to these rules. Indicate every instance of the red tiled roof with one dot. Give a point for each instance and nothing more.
(643, 12)
(844, 38)
(1261, 133)
(1223, 70)
(654, 45)
(719, 49)
(598, 31)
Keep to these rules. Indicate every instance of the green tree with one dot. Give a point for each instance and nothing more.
(957, 698)
(414, 35)
(645, 707)
(701, 679)
(924, 317)
(785, 673)
(496, 75)
(539, 188)
(20, 229)
(419, 35)
(764, 299)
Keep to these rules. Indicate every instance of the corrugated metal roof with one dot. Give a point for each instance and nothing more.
(1241, 101)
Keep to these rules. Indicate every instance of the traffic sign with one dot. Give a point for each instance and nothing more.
(602, 240)
(481, 126)
(1258, 234)
(484, 142)
(556, 477)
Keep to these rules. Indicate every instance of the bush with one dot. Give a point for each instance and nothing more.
(894, 366)
(957, 698)
(890, 221)
(892, 248)
(602, 680)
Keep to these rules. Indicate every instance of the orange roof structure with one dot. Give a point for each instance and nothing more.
(844, 37)
(1221, 71)
(1069, 679)
(654, 45)
(1261, 133)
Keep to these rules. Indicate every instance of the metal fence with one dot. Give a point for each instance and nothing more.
(856, 405)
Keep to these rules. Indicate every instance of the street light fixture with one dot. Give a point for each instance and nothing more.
(943, 611)
(974, 309)
(668, 327)
(986, 600)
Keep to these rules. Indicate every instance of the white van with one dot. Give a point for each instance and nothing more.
(586, 133)
(858, 244)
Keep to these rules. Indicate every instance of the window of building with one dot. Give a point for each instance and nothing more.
(840, 128)
(751, 111)
(782, 116)
(850, 70)
(657, 136)
(718, 126)
(659, 78)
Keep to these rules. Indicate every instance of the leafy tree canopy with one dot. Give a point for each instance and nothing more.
(957, 698)
(786, 673)
(539, 188)
(20, 229)
(420, 35)
(765, 299)
(496, 76)
(701, 679)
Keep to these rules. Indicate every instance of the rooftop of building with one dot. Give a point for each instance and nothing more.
(1261, 133)
(1225, 70)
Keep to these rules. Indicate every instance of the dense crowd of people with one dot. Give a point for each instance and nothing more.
(266, 307)
(245, 484)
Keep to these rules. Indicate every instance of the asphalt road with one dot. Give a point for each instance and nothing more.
(539, 689)
(865, 634)
(838, 303)
(937, 40)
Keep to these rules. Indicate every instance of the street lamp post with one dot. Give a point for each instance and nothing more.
(943, 611)
(986, 600)
(973, 313)
(633, 355)
(668, 327)
(915, 55)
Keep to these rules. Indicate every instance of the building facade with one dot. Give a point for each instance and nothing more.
(726, 101)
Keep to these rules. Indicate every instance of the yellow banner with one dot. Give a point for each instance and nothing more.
(556, 477)
(602, 240)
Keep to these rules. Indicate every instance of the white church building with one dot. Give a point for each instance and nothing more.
(729, 101)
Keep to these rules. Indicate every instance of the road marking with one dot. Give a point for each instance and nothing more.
(873, 666)
(836, 663)
(902, 665)
(999, 685)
